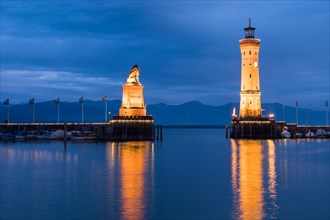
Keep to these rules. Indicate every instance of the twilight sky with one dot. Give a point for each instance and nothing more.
(186, 50)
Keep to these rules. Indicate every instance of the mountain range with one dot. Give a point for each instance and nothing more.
(190, 113)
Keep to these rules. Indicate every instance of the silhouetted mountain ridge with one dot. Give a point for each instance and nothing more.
(189, 113)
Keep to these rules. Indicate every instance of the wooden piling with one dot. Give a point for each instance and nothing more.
(157, 132)
(65, 132)
(153, 132)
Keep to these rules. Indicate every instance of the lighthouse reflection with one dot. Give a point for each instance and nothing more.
(253, 178)
(135, 163)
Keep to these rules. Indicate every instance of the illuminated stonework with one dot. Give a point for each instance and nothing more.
(133, 101)
(250, 104)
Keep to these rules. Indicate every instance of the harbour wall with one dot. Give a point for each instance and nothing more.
(118, 129)
(265, 128)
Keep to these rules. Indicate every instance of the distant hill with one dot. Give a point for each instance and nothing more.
(190, 113)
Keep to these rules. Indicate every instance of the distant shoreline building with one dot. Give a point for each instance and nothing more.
(250, 103)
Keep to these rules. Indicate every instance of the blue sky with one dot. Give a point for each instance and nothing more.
(186, 50)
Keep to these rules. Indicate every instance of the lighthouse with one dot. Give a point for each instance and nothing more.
(251, 123)
(250, 103)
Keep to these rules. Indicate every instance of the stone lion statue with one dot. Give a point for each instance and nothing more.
(133, 77)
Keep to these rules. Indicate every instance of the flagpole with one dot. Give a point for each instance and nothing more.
(326, 113)
(6, 102)
(82, 113)
(8, 113)
(57, 102)
(309, 108)
(33, 113)
(297, 112)
(282, 111)
(58, 112)
(81, 101)
(106, 110)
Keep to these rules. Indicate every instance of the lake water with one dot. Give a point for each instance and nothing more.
(193, 174)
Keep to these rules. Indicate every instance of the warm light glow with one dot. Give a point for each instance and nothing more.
(234, 112)
(135, 160)
(271, 115)
(133, 100)
(247, 179)
(132, 182)
(250, 103)
(249, 170)
(254, 122)
(147, 121)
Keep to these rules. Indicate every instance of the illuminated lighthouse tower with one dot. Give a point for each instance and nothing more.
(250, 104)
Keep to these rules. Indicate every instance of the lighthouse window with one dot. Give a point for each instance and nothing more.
(244, 53)
(250, 52)
(250, 76)
(250, 102)
(243, 88)
(255, 53)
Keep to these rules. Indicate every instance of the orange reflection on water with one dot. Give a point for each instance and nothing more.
(247, 178)
(248, 171)
(134, 162)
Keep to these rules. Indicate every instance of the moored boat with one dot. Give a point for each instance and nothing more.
(37, 135)
(83, 135)
(21, 135)
(7, 136)
(286, 134)
(56, 135)
(310, 134)
(321, 133)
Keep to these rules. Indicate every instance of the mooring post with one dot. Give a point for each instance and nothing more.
(271, 131)
(125, 132)
(235, 130)
(122, 132)
(161, 133)
(153, 132)
(157, 132)
(226, 131)
(242, 128)
(65, 132)
(140, 132)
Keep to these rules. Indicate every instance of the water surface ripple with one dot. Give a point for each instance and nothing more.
(193, 174)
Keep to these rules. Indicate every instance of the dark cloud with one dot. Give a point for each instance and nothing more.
(187, 50)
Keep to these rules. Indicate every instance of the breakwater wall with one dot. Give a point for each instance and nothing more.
(117, 129)
(265, 128)
(128, 128)
(262, 128)
(13, 128)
